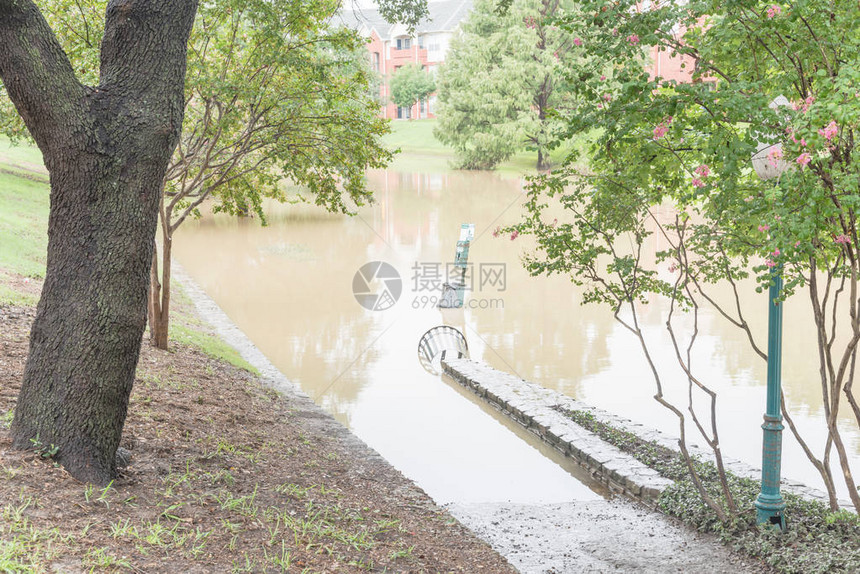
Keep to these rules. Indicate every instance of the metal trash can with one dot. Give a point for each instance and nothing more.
(439, 342)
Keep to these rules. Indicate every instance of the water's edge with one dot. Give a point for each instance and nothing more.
(535, 407)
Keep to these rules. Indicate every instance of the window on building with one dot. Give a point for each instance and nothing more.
(403, 43)
(420, 41)
(374, 61)
(403, 113)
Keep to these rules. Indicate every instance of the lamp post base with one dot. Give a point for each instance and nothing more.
(771, 510)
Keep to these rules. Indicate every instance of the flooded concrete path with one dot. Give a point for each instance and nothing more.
(289, 287)
(596, 536)
(591, 533)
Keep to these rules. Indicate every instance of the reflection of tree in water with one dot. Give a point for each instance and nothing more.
(557, 345)
(427, 211)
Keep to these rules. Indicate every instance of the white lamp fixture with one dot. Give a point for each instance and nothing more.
(767, 160)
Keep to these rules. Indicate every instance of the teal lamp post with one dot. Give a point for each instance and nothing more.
(770, 506)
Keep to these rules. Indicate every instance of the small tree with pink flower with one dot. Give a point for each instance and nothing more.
(672, 162)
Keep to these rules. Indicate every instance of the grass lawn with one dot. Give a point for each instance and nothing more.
(24, 154)
(24, 205)
(421, 151)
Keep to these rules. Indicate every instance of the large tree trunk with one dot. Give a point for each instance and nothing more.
(107, 150)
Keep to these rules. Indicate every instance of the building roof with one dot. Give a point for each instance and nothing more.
(444, 17)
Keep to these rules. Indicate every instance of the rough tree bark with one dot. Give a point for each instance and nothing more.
(107, 149)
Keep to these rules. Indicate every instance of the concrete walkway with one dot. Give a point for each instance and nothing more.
(596, 536)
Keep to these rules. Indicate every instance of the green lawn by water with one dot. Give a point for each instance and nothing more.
(24, 205)
(23, 153)
(421, 151)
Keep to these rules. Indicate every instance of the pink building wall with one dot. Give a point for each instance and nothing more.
(385, 58)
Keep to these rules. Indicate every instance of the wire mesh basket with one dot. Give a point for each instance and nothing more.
(438, 343)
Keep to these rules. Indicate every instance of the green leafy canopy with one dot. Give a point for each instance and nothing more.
(685, 148)
(503, 87)
(411, 83)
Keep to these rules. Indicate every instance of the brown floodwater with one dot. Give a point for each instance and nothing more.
(289, 287)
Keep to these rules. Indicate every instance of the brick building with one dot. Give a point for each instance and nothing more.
(391, 46)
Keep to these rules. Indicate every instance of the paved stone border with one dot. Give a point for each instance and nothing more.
(534, 407)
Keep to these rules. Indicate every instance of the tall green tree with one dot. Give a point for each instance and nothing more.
(673, 160)
(410, 84)
(502, 85)
(274, 95)
(107, 127)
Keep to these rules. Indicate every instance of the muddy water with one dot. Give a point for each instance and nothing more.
(289, 286)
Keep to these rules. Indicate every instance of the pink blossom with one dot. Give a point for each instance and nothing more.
(776, 252)
(633, 39)
(797, 243)
(602, 78)
(703, 170)
(615, 31)
(829, 131)
(774, 155)
(770, 263)
(607, 97)
(662, 128)
(497, 231)
(842, 238)
(774, 11)
(803, 159)
(673, 268)
(802, 141)
(698, 182)
(763, 228)
(599, 106)
(515, 234)
(554, 222)
(804, 105)
(778, 217)
(748, 198)
(577, 41)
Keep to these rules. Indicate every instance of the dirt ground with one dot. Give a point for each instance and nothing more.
(225, 475)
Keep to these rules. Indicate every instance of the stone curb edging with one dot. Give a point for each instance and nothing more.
(534, 407)
(531, 405)
(301, 402)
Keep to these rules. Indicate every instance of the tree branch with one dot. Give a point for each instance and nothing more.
(38, 76)
(139, 51)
